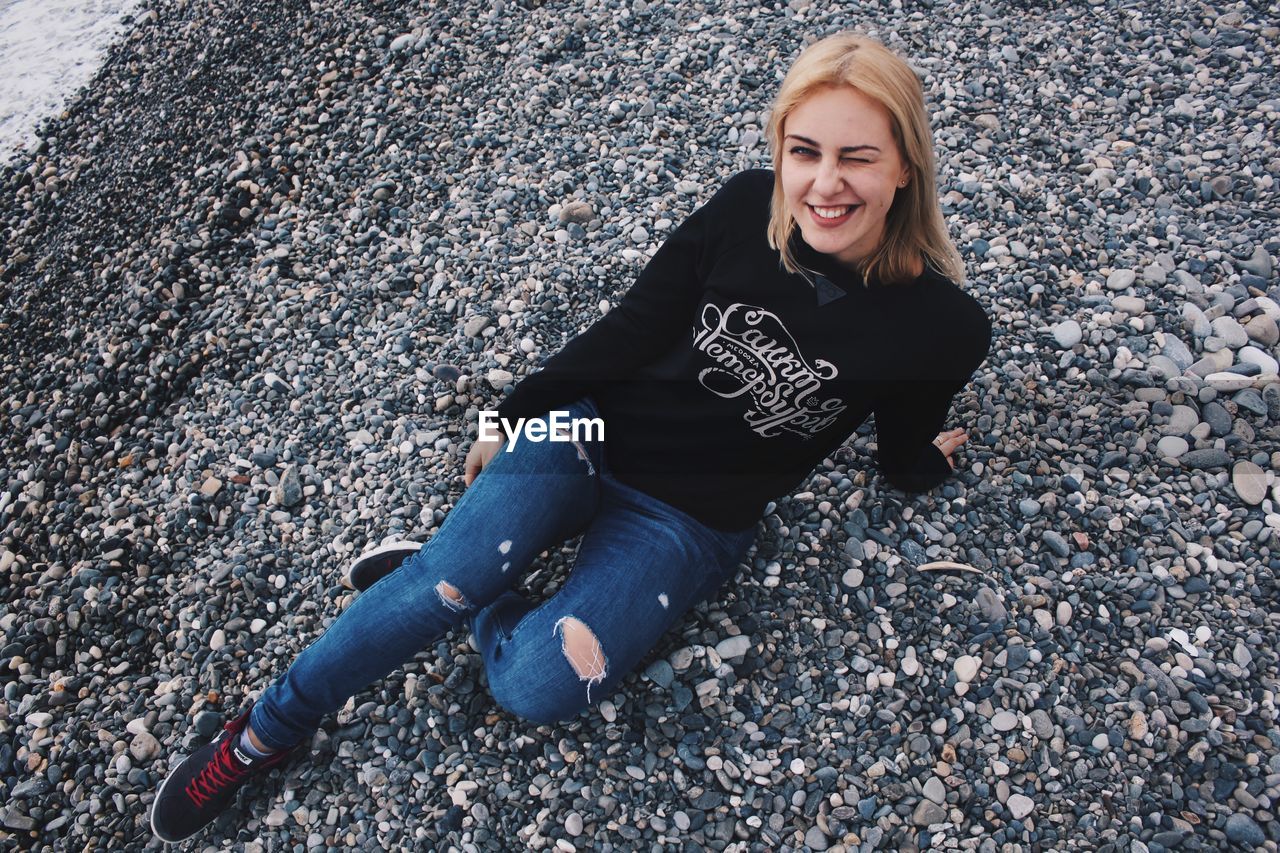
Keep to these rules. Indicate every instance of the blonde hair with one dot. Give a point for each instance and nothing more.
(914, 227)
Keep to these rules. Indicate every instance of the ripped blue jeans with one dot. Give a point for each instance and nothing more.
(641, 566)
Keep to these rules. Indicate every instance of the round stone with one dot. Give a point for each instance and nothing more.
(910, 663)
(1064, 613)
(1004, 721)
(1067, 333)
(1242, 829)
(1250, 482)
(1129, 304)
(815, 838)
(966, 668)
(144, 746)
(1121, 279)
(1172, 446)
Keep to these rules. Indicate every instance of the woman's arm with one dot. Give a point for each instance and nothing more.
(907, 423)
(657, 309)
(913, 450)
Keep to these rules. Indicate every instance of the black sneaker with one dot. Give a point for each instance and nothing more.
(372, 566)
(201, 787)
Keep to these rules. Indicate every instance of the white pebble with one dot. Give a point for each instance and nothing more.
(1064, 613)
(1021, 806)
(966, 668)
(39, 720)
(910, 664)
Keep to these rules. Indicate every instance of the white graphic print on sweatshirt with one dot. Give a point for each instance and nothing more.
(755, 355)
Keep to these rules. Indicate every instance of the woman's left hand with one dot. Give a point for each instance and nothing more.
(948, 441)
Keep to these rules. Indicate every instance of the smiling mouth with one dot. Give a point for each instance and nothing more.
(829, 216)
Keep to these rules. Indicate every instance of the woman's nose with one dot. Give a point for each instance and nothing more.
(827, 180)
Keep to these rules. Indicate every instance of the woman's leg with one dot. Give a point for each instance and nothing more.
(641, 566)
(524, 502)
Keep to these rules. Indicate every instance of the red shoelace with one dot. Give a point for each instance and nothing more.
(219, 773)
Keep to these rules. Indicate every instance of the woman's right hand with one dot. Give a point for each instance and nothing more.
(479, 456)
(948, 441)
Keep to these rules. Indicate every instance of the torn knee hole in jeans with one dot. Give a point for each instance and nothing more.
(582, 649)
(582, 451)
(582, 454)
(450, 596)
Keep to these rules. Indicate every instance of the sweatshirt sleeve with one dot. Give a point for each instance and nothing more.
(648, 320)
(909, 415)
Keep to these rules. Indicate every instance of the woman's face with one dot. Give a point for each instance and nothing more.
(839, 159)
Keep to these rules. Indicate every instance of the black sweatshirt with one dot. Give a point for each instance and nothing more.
(722, 381)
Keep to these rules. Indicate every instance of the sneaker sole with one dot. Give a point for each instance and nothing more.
(407, 546)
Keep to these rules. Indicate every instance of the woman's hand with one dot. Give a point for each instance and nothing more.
(948, 441)
(479, 456)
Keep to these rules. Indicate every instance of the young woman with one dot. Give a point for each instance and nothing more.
(769, 325)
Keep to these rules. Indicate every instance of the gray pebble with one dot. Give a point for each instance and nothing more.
(661, 673)
(144, 747)
(990, 605)
(1067, 333)
(1259, 263)
(288, 492)
(928, 812)
(1206, 458)
(1242, 829)
(816, 839)
(1004, 721)
(1121, 279)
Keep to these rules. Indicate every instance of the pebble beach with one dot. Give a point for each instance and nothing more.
(259, 277)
